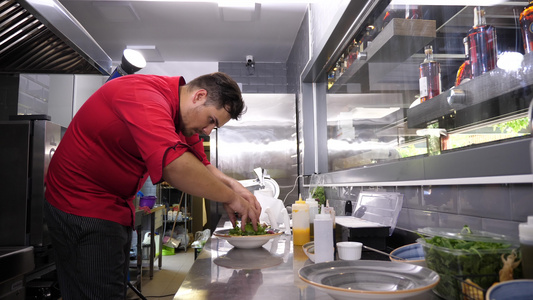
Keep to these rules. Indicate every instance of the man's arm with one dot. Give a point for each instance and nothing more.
(189, 175)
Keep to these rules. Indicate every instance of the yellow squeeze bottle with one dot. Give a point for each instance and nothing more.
(300, 223)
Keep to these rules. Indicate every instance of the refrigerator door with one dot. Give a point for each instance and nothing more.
(26, 148)
(14, 177)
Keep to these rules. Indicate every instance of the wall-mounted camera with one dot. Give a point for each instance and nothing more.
(249, 61)
(250, 64)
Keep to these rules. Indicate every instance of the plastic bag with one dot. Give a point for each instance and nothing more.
(200, 237)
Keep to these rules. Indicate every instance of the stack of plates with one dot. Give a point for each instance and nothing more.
(369, 279)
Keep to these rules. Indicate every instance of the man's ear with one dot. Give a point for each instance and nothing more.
(200, 95)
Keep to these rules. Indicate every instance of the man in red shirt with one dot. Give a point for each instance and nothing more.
(133, 127)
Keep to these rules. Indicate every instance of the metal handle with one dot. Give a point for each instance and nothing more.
(384, 253)
(457, 98)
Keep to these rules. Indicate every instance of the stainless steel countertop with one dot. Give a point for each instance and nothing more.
(271, 273)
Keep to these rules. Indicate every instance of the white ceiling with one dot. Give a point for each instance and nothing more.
(191, 31)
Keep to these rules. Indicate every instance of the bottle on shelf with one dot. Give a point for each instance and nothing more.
(341, 65)
(300, 223)
(526, 26)
(337, 70)
(324, 249)
(331, 78)
(429, 82)
(413, 12)
(482, 42)
(353, 51)
(401, 12)
(368, 37)
(465, 70)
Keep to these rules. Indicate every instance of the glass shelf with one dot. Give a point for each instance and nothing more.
(394, 44)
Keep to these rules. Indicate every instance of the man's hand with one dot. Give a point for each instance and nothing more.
(248, 196)
(244, 210)
(237, 187)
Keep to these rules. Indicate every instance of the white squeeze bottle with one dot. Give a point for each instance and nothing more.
(324, 249)
(313, 211)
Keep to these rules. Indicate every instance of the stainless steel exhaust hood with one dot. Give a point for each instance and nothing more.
(41, 36)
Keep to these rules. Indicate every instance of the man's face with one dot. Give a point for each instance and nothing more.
(202, 119)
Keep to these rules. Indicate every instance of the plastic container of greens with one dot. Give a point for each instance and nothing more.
(459, 255)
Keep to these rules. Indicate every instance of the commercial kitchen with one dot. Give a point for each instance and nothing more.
(406, 125)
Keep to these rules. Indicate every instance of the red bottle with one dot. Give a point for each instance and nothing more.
(429, 81)
(401, 12)
(465, 70)
(482, 42)
(526, 26)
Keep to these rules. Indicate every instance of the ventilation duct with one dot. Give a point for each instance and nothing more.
(41, 36)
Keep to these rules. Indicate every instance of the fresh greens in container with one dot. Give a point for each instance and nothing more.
(464, 254)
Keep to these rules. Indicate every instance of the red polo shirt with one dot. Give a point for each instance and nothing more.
(125, 132)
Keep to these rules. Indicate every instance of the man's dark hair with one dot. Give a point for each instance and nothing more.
(222, 92)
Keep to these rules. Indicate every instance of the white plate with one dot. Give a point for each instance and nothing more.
(309, 250)
(248, 259)
(248, 241)
(369, 279)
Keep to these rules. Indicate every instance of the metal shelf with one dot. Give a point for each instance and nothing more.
(398, 41)
(185, 204)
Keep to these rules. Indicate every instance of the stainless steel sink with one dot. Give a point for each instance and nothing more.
(15, 261)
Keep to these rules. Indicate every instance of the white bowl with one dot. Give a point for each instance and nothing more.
(247, 241)
(349, 250)
(411, 253)
(513, 289)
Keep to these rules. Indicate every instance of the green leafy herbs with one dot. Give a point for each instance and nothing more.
(249, 230)
(458, 259)
(471, 247)
(319, 194)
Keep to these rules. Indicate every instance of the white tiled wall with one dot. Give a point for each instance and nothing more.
(267, 78)
(33, 94)
(497, 208)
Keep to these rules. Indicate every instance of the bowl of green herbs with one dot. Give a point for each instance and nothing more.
(462, 254)
(247, 237)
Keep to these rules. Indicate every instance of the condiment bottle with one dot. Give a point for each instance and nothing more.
(483, 46)
(525, 232)
(324, 250)
(313, 211)
(300, 223)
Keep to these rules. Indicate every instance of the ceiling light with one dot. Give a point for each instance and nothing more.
(149, 52)
(132, 61)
